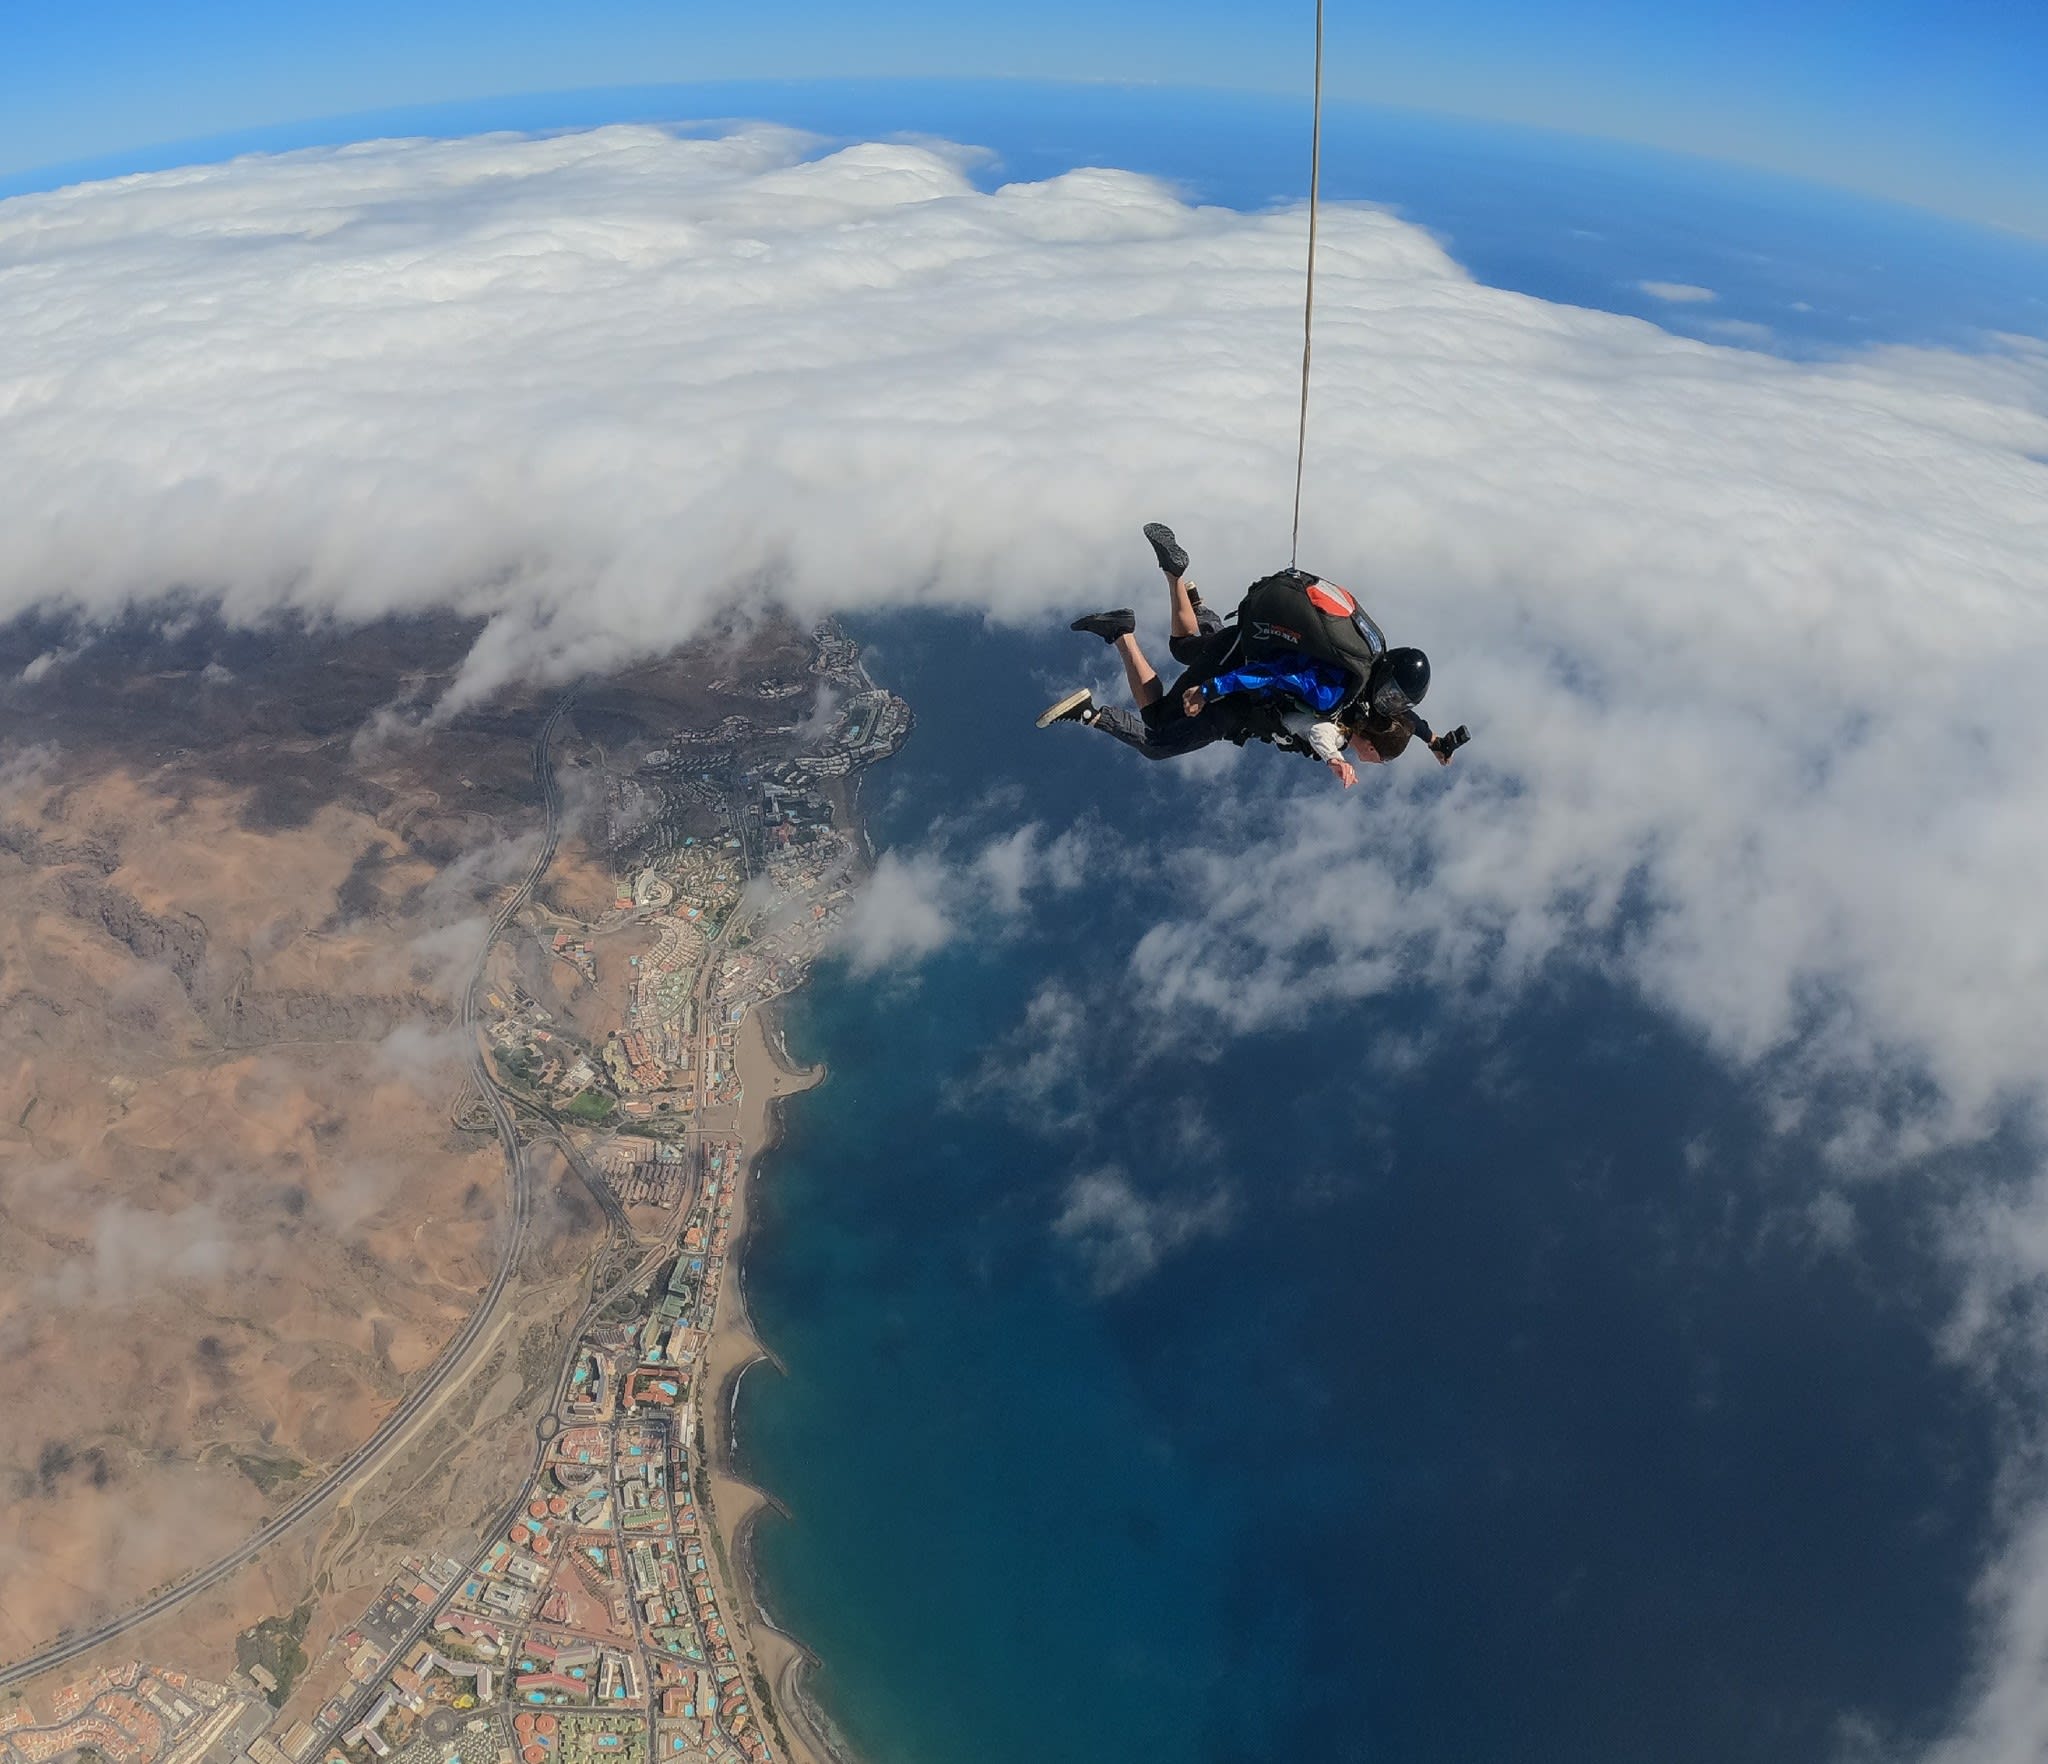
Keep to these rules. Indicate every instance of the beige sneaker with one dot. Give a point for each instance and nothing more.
(1074, 708)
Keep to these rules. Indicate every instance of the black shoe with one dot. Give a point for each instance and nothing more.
(1109, 626)
(1166, 549)
(1076, 707)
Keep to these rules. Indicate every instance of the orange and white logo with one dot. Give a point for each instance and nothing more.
(1328, 597)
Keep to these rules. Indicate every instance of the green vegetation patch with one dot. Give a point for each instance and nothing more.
(515, 1064)
(277, 1645)
(665, 1125)
(592, 1105)
(269, 1472)
(764, 1700)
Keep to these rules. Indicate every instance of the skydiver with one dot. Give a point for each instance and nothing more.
(1312, 705)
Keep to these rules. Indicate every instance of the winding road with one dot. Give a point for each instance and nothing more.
(367, 1456)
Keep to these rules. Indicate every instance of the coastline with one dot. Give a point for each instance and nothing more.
(767, 1077)
(602, 1554)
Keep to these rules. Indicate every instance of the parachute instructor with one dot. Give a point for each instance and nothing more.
(1384, 713)
(1304, 668)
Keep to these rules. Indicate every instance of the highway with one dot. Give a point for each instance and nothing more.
(519, 1194)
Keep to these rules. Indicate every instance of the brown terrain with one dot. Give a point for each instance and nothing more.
(239, 903)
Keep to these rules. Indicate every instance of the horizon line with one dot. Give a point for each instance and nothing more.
(337, 129)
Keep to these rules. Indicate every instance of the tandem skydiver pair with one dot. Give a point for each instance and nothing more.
(1303, 667)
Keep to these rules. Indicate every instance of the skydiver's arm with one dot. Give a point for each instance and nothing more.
(1443, 746)
(1315, 684)
(1252, 680)
(1325, 740)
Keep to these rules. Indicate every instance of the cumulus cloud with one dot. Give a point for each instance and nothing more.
(354, 1194)
(1679, 293)
(1026, 859)
(2007, 1718)
(1751, 648)
(916, 902)
(1122, 1234)
(554, 381)
(900, 914)
(478, 876)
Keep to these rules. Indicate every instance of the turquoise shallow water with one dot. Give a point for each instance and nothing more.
(1482, 1421)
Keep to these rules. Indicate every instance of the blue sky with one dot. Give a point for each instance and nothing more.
(1936, 104)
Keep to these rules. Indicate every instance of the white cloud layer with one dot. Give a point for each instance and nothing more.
(1753, 650)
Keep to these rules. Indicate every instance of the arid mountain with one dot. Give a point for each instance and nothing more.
(243, 880)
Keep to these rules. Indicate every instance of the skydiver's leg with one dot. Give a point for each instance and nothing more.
(1127, 727)
(1118, 628)
(1202, 658)
(1183, 602)
(1207, 649)
(1142, 677)
(1157, 742)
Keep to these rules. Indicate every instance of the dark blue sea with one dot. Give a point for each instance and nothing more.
(1499, 1408)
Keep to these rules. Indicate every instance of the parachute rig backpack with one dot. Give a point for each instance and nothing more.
(1292, 613)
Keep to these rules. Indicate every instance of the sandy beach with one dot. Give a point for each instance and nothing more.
(766, 1077)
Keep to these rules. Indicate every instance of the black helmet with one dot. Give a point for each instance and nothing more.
(1410, 671)
(1400, 678)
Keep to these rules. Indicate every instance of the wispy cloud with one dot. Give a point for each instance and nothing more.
(1042, 1068)
(917, 902)
(1679, 293)
(1123, 1234)
(129, 1252)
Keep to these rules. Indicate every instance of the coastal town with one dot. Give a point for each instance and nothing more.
(739, 863)
(605, 1618)
(132, 1714)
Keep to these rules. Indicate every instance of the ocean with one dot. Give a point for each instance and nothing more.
(1492, 1404)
